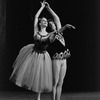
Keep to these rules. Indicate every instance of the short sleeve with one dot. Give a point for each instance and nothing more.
(37, 37)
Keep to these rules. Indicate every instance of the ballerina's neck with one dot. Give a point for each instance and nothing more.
(43, 32)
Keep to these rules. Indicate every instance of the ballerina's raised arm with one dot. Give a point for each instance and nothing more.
(37, 16)
(55, 16)
(57, 19)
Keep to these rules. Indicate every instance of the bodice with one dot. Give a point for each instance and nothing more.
(41, 42)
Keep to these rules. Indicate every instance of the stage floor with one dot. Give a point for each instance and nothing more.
(65, 96)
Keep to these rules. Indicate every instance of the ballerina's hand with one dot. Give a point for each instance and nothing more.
(42, 4)
(47, 4)
(70, 26)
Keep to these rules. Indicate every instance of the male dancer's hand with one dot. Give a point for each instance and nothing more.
(70, 26)
(46, 4)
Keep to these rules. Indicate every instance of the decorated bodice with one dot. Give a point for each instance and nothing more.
(41, 42)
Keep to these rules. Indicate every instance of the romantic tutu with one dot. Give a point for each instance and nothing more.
(33, 70)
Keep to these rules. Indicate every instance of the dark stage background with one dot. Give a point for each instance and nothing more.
(83, 72)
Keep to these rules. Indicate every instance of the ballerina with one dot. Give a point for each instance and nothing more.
(33, 65)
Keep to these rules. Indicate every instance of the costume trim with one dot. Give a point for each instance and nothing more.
(62, 55)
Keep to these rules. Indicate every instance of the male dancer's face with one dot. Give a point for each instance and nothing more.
(52, 25)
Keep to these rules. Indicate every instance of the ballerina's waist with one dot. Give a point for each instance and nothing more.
(40, 49)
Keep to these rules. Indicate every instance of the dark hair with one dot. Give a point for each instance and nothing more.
(42, 18)
(50, 20)
(51, 24)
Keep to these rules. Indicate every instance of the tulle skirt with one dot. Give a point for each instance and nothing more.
(33, 70)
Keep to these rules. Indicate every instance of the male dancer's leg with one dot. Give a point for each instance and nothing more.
(56, 72)
(62, 74)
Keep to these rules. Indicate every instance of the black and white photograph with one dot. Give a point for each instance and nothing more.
(49, 50)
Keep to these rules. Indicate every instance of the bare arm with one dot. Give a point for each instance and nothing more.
(57, 20)
(55, 16)
(36, 18)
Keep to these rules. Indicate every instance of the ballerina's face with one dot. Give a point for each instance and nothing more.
(44, 22)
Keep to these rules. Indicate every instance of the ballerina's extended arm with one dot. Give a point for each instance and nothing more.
(55, 16)
(36, 17)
